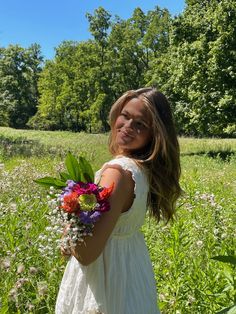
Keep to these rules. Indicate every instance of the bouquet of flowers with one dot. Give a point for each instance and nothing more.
(78, 204)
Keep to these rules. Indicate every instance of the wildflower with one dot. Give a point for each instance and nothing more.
(162, 297)
(191, 299)
(28, 226)
(70, 202)
(6, 263)
(199, 243)
(20, 269)
(30, 306)
(105, 193)
(216, 231)
(20, 282)
(33, 270)
(79, 206)
(224, 235)
(87, 202)
(13, 294)
(42, 288)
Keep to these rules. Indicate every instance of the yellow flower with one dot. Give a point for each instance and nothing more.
(87, 202)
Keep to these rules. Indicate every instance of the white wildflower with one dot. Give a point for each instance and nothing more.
(33, 270)
(42, 288)
(13, 294)
(6, 263)
(191, 299)
(199, 243)
(20, 269)
(216, 231)
(224, 235)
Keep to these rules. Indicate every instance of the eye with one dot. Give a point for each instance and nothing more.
(123, 114)
(140, 125)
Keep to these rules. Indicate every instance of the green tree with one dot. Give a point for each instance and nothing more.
(99, 24)
(56, 90)
(69, 87)
(191, 58)
(19, 71)
(127, 49)
(200, 68)
(99, 27)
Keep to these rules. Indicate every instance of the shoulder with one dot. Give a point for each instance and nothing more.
(115, 173)
(124, 163)
(127, 167)
(124, 185)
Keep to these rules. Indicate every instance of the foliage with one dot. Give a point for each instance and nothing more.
(190, 57)
(76, 170)
(230, 259)
(78, 87)
(200, 68)
(19, 71)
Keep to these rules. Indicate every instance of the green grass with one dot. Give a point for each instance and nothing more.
(188, 280)
(28, 142)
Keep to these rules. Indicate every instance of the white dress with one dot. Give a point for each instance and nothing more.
(121, 279)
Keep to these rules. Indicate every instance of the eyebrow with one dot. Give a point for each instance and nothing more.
(140, 118)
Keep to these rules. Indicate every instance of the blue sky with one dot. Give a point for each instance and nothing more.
(49, 22)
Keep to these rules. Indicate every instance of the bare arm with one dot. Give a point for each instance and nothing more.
(120, 200)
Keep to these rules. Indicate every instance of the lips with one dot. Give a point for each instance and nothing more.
(126, 134)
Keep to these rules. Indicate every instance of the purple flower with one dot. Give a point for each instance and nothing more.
(68, 189)
(70, 184)
(104, 206)
(89, 217)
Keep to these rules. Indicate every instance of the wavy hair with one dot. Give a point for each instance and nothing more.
(161, 157)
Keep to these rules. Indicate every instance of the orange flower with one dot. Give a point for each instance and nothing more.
(106, 192)
(70, 202)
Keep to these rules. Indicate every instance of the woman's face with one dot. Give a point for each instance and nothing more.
(133, 127)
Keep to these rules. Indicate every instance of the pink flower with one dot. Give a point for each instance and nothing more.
(85, 188)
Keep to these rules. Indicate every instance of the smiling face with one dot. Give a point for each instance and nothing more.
(133, 127)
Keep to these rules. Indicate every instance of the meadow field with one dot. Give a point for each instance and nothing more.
(188, 279)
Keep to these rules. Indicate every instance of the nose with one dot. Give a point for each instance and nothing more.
(129, 123)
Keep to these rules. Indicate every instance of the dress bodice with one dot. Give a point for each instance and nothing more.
(131, 220)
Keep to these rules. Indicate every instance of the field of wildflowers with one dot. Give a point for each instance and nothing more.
(188, 280)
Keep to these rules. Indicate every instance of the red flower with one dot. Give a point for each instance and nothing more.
(106, 192)
(70, 202)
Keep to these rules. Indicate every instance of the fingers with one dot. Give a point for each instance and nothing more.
(65, 252)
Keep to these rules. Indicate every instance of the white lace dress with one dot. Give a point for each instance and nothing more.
(121, 279)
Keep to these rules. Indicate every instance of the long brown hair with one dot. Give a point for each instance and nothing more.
(161, 157)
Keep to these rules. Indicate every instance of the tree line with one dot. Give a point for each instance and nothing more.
(190, 57)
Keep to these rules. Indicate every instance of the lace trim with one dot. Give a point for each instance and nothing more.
(119, 161)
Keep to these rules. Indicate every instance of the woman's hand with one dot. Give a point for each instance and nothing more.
(66, 252)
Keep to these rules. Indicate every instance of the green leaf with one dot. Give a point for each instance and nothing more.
(64, 176)
(228, 310)
(86, 170)
(225, 259)
(4, 308)
(50, 181)
(73, 167)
